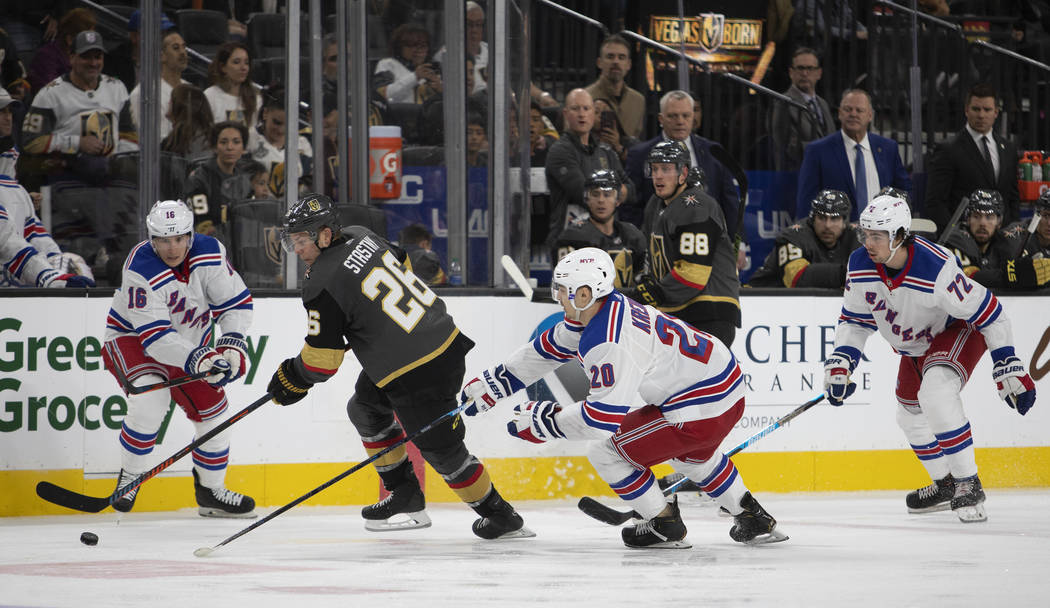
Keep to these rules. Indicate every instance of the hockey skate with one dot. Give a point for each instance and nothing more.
(404, 507)
(968, 502)
(660, 532)
(499, 519)
(935, 497)
(220, 502)
(753, 525)
(127, 501)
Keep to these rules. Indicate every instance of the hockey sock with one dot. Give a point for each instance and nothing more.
(940, 402)
(717, 477)
(138, 434)
(210, 459)
(637, 486)
(917, 431)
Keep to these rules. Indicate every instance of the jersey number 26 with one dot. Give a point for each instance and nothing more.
(405, 309)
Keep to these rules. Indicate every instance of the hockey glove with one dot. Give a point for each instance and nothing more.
(286, 385)
(837, 385)
(646, 290)
(534, 421)
(52, 278)
(1026, 273)
(1013, 382)
(205, 359)
(234, 349)
(487, 388)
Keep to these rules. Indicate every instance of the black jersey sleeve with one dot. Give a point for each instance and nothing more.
(325, 346)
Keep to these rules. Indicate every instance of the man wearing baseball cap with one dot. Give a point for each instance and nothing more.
(123, 61)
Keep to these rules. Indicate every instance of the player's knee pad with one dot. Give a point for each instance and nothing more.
(146, 411)
(607, 461)
(448, 459)
(368, 420)
(939, 398)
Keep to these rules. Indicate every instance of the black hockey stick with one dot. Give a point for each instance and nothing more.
(615, 517)
(138, 390)
(1032, 226)
(950, 228)
(91, 504)
(206, 551)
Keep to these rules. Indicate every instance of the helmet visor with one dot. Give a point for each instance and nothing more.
(291, 240)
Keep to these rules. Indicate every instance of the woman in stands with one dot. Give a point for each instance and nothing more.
(232, 95)
(414, 80)
(221, 182)
(191, 124)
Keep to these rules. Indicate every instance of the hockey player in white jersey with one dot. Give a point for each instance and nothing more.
(916, 296)
(691, 389)
(29, 256)
(160, 328)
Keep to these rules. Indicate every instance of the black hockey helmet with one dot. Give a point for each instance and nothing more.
(896, 192)
(985, 201)
(1043, 202)
(309, 214)
(696, 178)
(603, 179)
(833, 203)
(667, 152)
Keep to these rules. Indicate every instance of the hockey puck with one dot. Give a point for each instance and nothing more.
(89, 538)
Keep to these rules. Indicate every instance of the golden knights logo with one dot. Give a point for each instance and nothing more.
(712, 31)
(276, 181)
(659, 263)
(103, 126)
(623, 261)
(272, 241)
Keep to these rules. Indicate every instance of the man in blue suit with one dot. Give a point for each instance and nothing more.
(676, 120)
(851, 160)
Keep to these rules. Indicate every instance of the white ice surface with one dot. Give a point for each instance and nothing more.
(848, 550)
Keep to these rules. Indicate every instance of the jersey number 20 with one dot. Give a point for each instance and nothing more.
(406, 309)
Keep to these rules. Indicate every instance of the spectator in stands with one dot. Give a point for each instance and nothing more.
(190, 116)
(220, 182)
(173, 60)
(266, 143)
(330, 70)
(975, 158)
(676, 120)
(541, 135)
(794, 128)
(432, 115)
(125, 58)
(851, 160)
(607, 128)
(545, 99)
(1038, 244)
(413, 78)
(476, 46)
(813, 252)
(614, 61)
(28, 255)
(572, 158)
(417, 241)
(13, 76)
(477, 141)
(52, 59)
(260, 179)
(232, 94)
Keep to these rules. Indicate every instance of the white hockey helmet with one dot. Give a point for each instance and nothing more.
(889, 213)
(590, 267)
(169, 218)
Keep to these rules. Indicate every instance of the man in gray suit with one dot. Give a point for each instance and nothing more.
(793, 128)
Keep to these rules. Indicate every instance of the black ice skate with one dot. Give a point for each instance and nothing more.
(660, 532)
(220, 502)
(753, 525)
(404, 505)
(968, 502)
(127, 501)
(499, 519)
(935, 497)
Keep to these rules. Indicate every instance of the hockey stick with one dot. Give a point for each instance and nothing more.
(91, 504)
(615, 517)
(206, 551)
(1032, 226)
(519, 279)
(950, 228)
(138, 390)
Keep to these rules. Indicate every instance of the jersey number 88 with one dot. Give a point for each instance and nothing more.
(693, 243)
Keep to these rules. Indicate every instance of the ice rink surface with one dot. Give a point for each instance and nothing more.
(850, 550)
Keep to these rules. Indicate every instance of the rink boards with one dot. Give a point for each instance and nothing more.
(60, 413)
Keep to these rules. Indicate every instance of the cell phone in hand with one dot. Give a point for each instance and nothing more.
(608, 120)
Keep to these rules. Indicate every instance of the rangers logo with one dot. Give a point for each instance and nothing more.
(712, 31)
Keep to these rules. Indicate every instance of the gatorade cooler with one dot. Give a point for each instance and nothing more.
(384, 163)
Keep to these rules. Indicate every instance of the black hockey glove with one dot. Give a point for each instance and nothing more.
(286, 386)
(1026, 273)
(646, 291)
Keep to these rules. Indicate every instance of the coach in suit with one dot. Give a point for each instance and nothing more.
(852, 160)
(676, 122)
(793, 127)
(973, 159)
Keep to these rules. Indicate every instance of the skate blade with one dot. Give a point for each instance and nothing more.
(774, 536)
(521, 532)
(219, 513)
(669, 544)
(944, 506)
(401, 521)
(972, 515)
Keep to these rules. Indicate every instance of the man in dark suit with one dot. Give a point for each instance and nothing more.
(792, 127)
(676, 120)
(961, 165)
(852, 160)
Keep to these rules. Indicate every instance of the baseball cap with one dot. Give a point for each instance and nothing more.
(6, 99)
(135, 22)
(86, 41)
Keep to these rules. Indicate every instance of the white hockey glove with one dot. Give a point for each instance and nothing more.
(837, 385)
(1014, 384)
(205, 359)
(534, 421)
(487, 388)
(234, 349)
